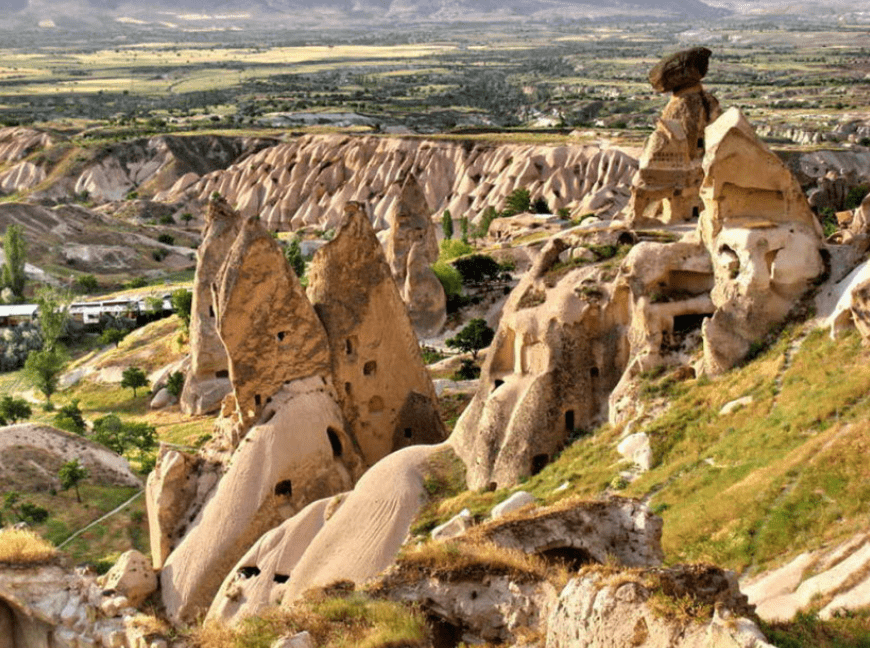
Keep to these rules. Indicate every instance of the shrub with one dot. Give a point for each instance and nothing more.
(468, 370)
(182, 300)
(856, 196)
(293, 254)
(447, 225)
(518, 201)
(454, 248)
(16, 344)
(136, 282)
(86, 283)
(449, 277)
(166, 239)
(112, 336)
(175, 383)
(69, 418)
(159, 255)
(42, 369)
(166, 219)
(477, 268)
(13, 410)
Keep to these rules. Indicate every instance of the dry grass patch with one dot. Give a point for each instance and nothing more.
(24, 547)
(335, 617)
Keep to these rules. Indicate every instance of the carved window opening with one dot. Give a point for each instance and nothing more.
(284, 488)
(348, 346)
(282, 334)
(348, 388)
(223, 373)
(498, 383)
(695, 212)
(409, 433)
(370, 368)
(257, 400)
(571, 557)
(249, 572)
(569, 421)
(211, 311)
(335, 442)
(594, 372)
(280, 578)
(539, 462)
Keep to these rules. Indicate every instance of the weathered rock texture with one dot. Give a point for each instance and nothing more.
(762, 237)
(383, 387)
(208, 379)
(309, 180)
(47, 606)
(560, 348)
(617, 528)
(132, 576)
(411, 249)
(665, 187)
(271, 333)
(601, 610)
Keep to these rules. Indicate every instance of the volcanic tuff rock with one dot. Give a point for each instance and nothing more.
(665, 187)
(131, 576)
(761, 235)
(612, 610)
(411, 249)
(560, 348)
(207, 381)
(271, 333)
(309, 180)
(383, 387)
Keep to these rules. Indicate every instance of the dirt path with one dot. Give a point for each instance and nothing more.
(97, 521)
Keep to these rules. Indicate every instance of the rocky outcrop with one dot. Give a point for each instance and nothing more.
(384, 389)
(309, 180)
(560, 348)
(411, 249)
(132, 576)
(665, 187)
(269, 330)
(613, 608)
(33, 453)
(762, 237)
(208, 379)
(614, 529)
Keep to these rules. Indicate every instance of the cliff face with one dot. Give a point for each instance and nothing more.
(309, 180)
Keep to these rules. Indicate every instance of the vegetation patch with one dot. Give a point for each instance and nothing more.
(25, 547)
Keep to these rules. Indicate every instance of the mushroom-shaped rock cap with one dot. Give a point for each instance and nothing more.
(680, 70)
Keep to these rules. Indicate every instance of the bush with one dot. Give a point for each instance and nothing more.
(86, 284)
(477, 268)
(519, 200)
(182, 300)
(175, 383)
(450, 278)
(166, 220)
(468, 370)
(159, 255)
(293, 254)
(454, 248)
(69, 418)
(856, 196)
(166, 239)
(13, 410)
(112, 336)
(16, 344)
(136, 282)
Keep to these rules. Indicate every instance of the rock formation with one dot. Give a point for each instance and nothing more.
(761, 235)
(383, 387)
(601, 610)
(411, 249)
(309, 180)
(665, 187)
(558, 352)
(208, 379)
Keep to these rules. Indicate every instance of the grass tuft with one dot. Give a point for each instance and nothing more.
(25, 547)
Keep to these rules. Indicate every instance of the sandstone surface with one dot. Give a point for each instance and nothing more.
(131, 576)
(208, 381)
(383, 387)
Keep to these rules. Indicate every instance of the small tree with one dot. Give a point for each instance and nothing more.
(134, 378)
(13, 410)
(475, 336)
(42, 369)
(447, 224)
(489, 215)
(518, 201)
(112, 336)
(70, 474)
(463, 228)
(15, 250)
(293, 254)
(69, 418)
(182, 300)
(109, 431)
(175, 383)
(86, 283)
(53, 317)
(186, 217)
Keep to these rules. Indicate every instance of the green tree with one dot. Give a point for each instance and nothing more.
(13, 410)
(31, 513)
(463, 228)
(53, 317)
(476, 335)
(518, 201)
(42, 369)
(293, 254)
(477, 268)
(109, 431)
(86, 283)
(186, 217)
(134, 378)
(112, 336)
(15, 250)
(447, 224)
(70, 474)
(489, 215)
(175, 383)
(69, 418)
(182, 300)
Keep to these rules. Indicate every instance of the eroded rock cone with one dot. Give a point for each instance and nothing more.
(208, 380)
(384, 389)
(680, 70)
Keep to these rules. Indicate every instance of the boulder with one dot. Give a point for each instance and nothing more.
(612, 609)
(162, 399)
(133, 577)
(515, 502)
(455, 526)
(636, 448)
(560, 348)
(169, 493)
(680, 70)
(299, 640)
(762, 237)
(207, 380)
(384, 389)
